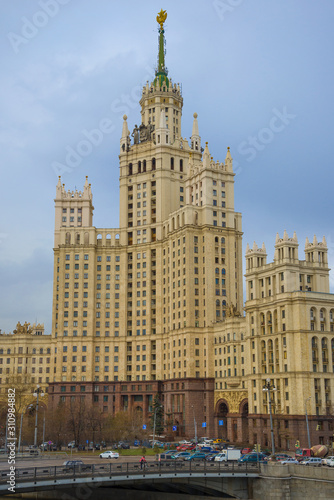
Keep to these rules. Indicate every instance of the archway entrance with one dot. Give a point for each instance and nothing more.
(222, 412)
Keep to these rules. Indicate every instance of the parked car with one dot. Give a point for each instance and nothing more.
(315, 461)
(181, 455)
(330, 461)
(109, 454)
(76, 465)
(279, 457)
(210, 457)
(288, 461)
(253, 458)
(123, 445)
(71, 444)
(324, 460)
(197, 456)
(244, 451)
(167, 455)
(136, 442)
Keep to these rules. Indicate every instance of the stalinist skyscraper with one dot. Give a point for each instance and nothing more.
(156, 305)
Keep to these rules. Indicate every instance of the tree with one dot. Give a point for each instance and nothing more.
(157, 415)
(76, 418)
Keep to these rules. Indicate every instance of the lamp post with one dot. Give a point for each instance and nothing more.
(195, 424)
(20, 433)
(307, 426)
(37, 392)
(267, 387)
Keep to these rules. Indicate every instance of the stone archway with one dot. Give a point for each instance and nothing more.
(221, 415)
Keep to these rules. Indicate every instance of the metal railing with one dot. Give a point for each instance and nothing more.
(112, 470)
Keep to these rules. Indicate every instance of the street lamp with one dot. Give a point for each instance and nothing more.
(195, 424)
(307, 426)
(267, 387)
(154, 421)
(37, 392)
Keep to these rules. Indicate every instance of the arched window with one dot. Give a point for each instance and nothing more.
(222, 241)
(153, 163)
(223, 271)
(130, 169)
(217, 270)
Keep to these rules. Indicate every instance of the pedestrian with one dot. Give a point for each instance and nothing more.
(143, 462)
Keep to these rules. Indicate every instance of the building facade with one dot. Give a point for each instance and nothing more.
(156, 305)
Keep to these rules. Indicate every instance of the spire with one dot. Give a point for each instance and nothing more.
(195, 138)
(161, 72)
(206, 156)
(195, 126)
(228, 161)
(125, 130)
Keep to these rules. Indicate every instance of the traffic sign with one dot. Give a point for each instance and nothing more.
(220, 422)
(203, 424)
(174, 428)
(144, 427)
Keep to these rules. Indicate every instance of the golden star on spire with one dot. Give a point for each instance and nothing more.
(161, 18)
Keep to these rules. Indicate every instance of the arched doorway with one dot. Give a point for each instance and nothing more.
(221, 415)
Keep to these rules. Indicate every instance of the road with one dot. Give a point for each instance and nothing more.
(47, 460)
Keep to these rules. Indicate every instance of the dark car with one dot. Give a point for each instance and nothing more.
(76, 465)
(253, 458)
(123, 445)
(196, 456)
(279, 457)
(210, 457)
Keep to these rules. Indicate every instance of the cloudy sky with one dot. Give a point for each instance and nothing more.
(259, 74)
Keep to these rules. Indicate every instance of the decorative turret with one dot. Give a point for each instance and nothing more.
(255, 257)
(316, 251)
(195, 137)
(228, 161)
(286, 249)
(125, 139)
(73, 209)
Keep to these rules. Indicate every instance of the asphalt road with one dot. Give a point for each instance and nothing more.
(44, 461)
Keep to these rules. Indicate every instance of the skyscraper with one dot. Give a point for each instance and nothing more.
(156, 305)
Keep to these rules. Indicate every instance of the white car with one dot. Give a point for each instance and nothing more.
(109, 454)
(289, 461)
(328, 461)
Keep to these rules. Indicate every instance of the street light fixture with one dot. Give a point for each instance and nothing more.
(307, 426)
(37, 392)
(268, 388)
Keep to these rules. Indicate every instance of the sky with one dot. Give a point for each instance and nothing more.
(259, 74)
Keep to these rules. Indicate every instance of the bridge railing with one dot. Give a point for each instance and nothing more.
(36, 474)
